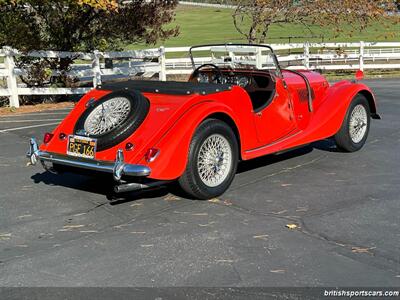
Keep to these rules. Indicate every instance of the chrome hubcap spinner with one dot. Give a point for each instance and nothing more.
(107, 116)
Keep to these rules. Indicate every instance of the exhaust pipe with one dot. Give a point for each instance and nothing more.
(133, 186)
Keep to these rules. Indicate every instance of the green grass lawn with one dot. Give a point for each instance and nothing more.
(199, 25)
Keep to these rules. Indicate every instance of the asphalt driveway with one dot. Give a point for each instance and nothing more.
(67, 231)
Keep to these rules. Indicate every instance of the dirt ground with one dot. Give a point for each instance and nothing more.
(6, 111)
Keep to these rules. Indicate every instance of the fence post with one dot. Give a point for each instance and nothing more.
(9, 64)
(259, 58)
(96, 69)
(161, 60)
(307, 55)
(361, 59)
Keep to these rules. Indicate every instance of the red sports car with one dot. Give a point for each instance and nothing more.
(238, 105)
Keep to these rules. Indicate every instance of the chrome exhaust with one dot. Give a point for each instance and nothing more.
(133, 186)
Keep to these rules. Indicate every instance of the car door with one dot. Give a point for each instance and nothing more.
(276, 121)
(298, 88)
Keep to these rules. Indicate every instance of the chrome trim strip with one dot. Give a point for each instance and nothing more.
(291, 133)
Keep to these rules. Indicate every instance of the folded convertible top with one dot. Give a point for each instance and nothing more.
(167, 87)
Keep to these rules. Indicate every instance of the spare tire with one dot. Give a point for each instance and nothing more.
(113, 118)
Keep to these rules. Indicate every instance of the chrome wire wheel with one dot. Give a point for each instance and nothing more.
(107, 116)
(358, 123)
(214, 160)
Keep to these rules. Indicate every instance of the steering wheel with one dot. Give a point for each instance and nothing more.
(218, 75)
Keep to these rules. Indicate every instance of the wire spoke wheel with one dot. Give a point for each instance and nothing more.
(358, 123)
(353, 133)
(214, 160)
(107, 116)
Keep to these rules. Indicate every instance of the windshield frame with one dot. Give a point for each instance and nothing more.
(274, 57)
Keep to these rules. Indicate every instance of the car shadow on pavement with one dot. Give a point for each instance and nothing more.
(74, 181)
(328, 145)
(104, 185)
(323, 145)
(149, 193)
(267, 160)
(101, 185)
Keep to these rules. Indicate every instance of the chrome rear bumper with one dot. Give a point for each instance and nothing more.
(118, 168)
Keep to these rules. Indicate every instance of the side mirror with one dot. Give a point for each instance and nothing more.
(359, 75)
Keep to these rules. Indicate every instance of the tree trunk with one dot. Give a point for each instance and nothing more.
(251, 37)
(264, 34)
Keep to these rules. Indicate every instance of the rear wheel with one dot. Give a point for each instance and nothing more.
(355, 127)
(212, 162)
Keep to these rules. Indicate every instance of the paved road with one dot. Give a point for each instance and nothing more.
(64, 231)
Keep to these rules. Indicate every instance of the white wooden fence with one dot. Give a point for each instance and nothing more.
(143, 62)
(206, 4)
(320, 56)
(316, 56)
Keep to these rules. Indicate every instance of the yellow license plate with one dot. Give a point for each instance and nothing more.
(81, 146)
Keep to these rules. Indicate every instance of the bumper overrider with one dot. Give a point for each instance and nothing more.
(118, 168)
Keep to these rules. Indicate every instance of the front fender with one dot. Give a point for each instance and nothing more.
(349, 89)
(174, 144)
(329, 117)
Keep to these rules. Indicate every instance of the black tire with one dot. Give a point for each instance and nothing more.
(343, 137)
(191, 181)
(139, 108)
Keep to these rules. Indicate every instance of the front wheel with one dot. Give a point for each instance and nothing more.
(355, 127)
(212, 161)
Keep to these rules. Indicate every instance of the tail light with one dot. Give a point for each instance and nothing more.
(47, 137)
(151, 154)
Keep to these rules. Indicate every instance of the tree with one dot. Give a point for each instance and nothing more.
(81, 25)
(253, 18)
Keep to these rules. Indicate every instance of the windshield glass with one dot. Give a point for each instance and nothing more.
(235, 56)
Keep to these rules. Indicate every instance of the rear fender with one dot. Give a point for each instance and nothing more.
(67, 125)
(174, 144)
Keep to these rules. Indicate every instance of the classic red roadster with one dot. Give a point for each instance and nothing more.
(238, 105)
